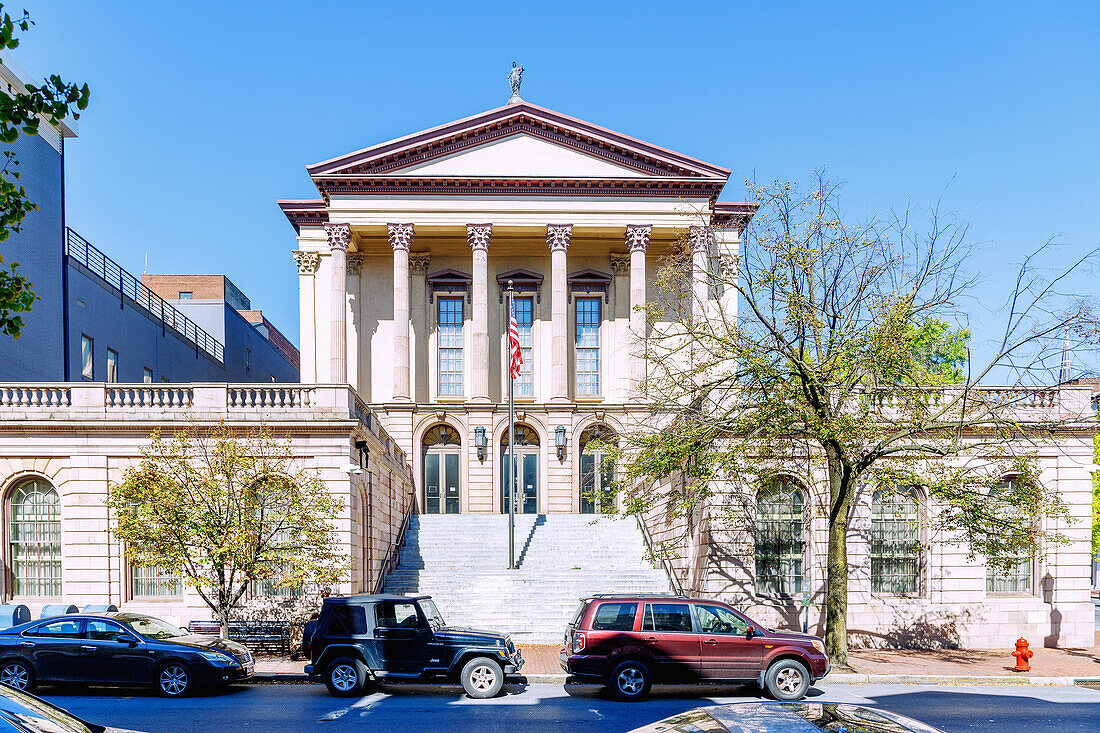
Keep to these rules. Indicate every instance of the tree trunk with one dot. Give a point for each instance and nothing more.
(223, 622)
(836, 582)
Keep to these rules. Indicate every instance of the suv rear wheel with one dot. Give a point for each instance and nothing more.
(787, 679)
(630, 681)
(346, 677)
(481, 678)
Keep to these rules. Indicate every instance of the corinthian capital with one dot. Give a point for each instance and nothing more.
(637, 237)
(620, 264)
(339, 236)
(401, 236)
(355, 264)
(418, 262)
(307, 262)
(479, 236)
(558, 236)
(698, 238)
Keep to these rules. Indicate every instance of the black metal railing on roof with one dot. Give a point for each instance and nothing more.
(128, 286)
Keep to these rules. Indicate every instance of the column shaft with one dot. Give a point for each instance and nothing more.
(339, 237)
(479, 236)
(558, 237)
(637, 240)
(401, 236)
(307, 323)
(699, 238)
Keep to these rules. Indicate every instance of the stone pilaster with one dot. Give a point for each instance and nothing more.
(479, 236)
(339, 237)
(699, 241)
(420, 322)
(354, 316)
(637, 240)
(307, 268)
(558, 237)
(401, 237)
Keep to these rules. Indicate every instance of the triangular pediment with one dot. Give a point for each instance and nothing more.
(518, 141)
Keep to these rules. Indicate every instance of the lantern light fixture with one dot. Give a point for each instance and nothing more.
(479, 442)
(559, 441)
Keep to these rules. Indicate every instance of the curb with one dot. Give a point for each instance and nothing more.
(837, 678)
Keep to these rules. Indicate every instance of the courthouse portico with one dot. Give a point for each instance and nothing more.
(403, 265)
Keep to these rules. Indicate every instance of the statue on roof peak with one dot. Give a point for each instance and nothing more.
(515, 78)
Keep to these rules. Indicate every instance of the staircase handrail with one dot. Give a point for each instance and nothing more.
(666, 564)
(393, 552)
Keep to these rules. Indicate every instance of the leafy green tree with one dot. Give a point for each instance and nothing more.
(21, 112)
(223, 511)
(845, 364)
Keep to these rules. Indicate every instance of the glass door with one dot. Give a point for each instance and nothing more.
(441, 483)
(597, 480)
(527, 465)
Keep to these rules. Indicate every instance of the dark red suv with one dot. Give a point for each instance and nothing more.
(630, 642)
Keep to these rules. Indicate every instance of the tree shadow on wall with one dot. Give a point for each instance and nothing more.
(914, 630)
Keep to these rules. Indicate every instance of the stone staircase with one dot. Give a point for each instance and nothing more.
(461, 561)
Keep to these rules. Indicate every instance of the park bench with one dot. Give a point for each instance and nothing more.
(261, 637)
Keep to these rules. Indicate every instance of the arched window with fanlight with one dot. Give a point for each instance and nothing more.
(780, 538)
(35, 539)
(527, 470)
(895, 541)
(1011, 576)
(597, 469)
(442, 451)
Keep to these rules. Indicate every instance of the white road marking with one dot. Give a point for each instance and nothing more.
(363, 704)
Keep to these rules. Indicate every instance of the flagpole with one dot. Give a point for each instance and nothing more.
(511, 445)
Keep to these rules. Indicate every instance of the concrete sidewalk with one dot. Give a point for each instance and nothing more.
(939, 666)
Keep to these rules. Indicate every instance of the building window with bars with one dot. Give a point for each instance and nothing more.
(525, 317)
(586, 346)
(112, 365)
(36, 540)
(1011, 576)
(87, 353)
(780, 542)
(450, 346)
(276, 584)
(895, 542)
(154, 581)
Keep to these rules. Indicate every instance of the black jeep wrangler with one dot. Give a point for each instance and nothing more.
(366, 638)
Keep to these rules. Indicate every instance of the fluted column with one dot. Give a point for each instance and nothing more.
(479, 237)
(637, 240)
(699, 239)
(307, 314)
(339, 237)
(401, 237)
(558, 237)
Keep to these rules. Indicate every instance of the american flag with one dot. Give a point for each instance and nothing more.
(513, 339)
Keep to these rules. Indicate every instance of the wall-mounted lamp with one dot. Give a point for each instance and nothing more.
(479, 442)
(364, 453)
(559, 441)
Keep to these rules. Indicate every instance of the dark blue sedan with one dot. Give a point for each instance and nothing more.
(125, 649)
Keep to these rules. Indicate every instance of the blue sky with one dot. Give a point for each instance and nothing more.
(203, 114)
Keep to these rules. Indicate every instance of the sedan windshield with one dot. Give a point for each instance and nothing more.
(435, 620)
(152, 628)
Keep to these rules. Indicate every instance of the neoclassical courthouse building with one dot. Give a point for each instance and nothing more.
(403, 262)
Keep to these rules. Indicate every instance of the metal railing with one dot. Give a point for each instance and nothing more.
(393, 553)
(128, 286)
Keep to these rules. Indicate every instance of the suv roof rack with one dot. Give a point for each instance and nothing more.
(635, 595)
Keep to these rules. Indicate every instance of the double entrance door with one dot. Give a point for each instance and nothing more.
(442, 480)
(527, 488)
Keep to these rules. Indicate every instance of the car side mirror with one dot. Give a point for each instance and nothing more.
(749, 633)
(132, 642)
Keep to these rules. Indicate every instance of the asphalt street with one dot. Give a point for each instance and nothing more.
(544, 707)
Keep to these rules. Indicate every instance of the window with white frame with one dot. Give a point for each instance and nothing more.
(780, 542)
(87, 353)
(147, 375)
(895, 542)
(154, 581)
(450, 316)
(1013, 574)
(525, 313)
(36, 539)
(112, 365)
(586, 346)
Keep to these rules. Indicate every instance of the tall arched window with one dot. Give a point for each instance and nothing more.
(780, 543)
(442, 448)
(895, 542)
(35, 539)
(1015, 575)
(527, 470)
(597, 469)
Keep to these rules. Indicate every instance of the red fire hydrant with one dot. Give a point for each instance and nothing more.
(1022, 654)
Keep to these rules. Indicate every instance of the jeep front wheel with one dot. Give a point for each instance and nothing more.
(482, 678)
(346, 677)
